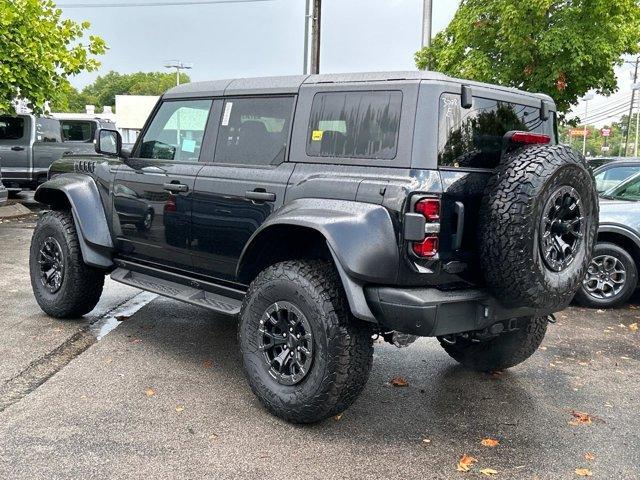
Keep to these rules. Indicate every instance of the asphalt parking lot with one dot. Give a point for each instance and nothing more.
(162, 396)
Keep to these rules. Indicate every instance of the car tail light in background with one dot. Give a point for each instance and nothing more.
(527, 138)
(429, 208)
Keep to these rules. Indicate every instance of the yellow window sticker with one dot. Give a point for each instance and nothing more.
(316, 136)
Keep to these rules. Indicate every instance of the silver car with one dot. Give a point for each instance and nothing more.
(612, 277)
(4, 194)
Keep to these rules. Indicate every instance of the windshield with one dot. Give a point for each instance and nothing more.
(627, 190)
(11, 128)
(610, 178)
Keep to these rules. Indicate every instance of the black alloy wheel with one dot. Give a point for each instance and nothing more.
(51, 263)
(562, 227)
(286, 340)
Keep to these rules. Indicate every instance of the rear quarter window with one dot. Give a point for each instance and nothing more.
(355, 124)
(473, 137)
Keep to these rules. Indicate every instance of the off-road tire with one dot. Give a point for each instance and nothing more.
(81, 285)
(509, 227)
(631, 283)
(504, 351)
(343, 346)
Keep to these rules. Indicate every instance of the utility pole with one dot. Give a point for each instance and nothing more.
(636, 86)
(427, 22)
(307, 17)
(316, 26)
(587, 97)
(633, 97)
(178, 65)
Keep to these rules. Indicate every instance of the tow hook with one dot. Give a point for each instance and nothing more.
(400, 340)
(551, 318)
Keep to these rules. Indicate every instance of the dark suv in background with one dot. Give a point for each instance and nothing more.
(325, 210)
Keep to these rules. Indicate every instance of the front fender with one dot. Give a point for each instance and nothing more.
(360, 235)
(621, 230)
(82, 194)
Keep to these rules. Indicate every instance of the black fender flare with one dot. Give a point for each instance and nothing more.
(361, 238)
(88, 213)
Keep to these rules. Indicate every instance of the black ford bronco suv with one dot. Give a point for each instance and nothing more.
(325, 210)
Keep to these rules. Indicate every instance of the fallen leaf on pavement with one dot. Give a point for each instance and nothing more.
(465, 463)
(490, 442)
(583, 472)
(489, 472)
(338, 417)
(580, 418)
(399, 382)
(633, 327)
(150, 392)
(426, 440)
(589, 456)
(213, 437)
(179, 408)
(207, 364)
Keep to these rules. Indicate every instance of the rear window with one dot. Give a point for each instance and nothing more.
(11, 128)
(355, 125)
(473, 137)
(77, 131)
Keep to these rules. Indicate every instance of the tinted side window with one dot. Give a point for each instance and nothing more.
(355, 124)
(474, 137)
(611, 177)
(77, 131)
(177, 130)
(254, 131)
(11, 128)
(48, 130)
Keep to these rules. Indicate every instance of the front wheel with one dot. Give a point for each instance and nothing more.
(64, 286)
(305, 356)
(504, 351)
(612, 277)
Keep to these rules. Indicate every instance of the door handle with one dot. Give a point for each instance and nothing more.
(457, 237)
(260, 196)
(17, 149)
(176, 187)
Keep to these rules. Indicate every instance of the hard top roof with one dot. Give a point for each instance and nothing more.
(291, 84)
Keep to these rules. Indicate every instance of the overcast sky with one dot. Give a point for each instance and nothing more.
(266, 38)
(257, 39)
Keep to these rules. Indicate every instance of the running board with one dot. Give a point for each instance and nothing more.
(210, 301)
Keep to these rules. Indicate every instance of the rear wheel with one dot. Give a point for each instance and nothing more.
(64, 286)
(305, 356)
(504, 351)
(612, 277)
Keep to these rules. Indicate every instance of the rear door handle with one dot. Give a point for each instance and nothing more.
(457, 237)
(176, 187)
(17, 149)
(260, 196)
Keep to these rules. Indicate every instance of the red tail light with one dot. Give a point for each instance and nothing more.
(528, 138)
(426, 248)
(430, 208)
(170, 205)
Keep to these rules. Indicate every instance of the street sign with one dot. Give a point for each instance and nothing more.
(605, 132)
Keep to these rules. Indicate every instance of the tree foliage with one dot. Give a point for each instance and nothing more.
(105, 88)
(563, 48)
(39, 50)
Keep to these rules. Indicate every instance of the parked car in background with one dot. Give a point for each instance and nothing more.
(4, 193)
(611, 174)
(30, 144)
(612, 277)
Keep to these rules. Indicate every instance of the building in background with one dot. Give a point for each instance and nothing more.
(132, 112)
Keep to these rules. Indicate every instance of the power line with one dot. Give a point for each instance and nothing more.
(608, 114)
(154, 4)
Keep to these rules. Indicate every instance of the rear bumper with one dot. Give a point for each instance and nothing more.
(4, 195)
(430, 312)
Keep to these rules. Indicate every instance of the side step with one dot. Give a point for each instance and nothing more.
(210, 301)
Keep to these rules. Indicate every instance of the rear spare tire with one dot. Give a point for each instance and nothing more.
(538, 225)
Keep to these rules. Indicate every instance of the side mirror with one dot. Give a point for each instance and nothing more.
(108, 142)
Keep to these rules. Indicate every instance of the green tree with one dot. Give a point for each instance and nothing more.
(563, 48)
(104, 89)
(39, 50)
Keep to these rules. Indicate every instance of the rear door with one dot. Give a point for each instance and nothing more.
(243, 182)
(470, 146)
(153, 190)
(15, 152)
